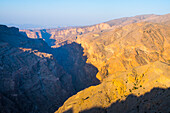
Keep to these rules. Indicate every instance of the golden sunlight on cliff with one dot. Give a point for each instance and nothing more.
(119, 86)
(126, 47)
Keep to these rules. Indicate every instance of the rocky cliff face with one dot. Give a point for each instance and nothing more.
(31, 78)
(70, 56)
(132, 91)
(126, 47)
(132, 60)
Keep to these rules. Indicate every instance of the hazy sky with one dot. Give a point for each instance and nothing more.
(76, 12)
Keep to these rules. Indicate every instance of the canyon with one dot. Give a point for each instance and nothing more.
(32, 76)
(108, 67)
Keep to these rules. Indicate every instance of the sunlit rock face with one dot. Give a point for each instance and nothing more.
(133, 63)
(126, 47)
(141, 89)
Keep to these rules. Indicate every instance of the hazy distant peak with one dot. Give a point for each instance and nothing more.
(128, 20)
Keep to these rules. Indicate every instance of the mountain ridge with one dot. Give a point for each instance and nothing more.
(60, 36)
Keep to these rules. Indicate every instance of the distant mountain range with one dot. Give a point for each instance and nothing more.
(32, 26)
(122, 21)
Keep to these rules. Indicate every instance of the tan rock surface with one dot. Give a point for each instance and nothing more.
(126, 47)
(118, 86)
(133, 59)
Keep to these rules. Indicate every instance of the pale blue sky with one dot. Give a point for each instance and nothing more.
(76, 12)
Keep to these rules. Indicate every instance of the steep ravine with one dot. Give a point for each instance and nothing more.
(35, 78)
(70, 57)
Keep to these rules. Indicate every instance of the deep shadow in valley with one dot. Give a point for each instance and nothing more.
(45, 35)
(36, 92)
(70, 56)
(155, 101)
(41, 84)
(31, 83)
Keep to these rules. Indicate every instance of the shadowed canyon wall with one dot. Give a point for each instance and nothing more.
(37, 78)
